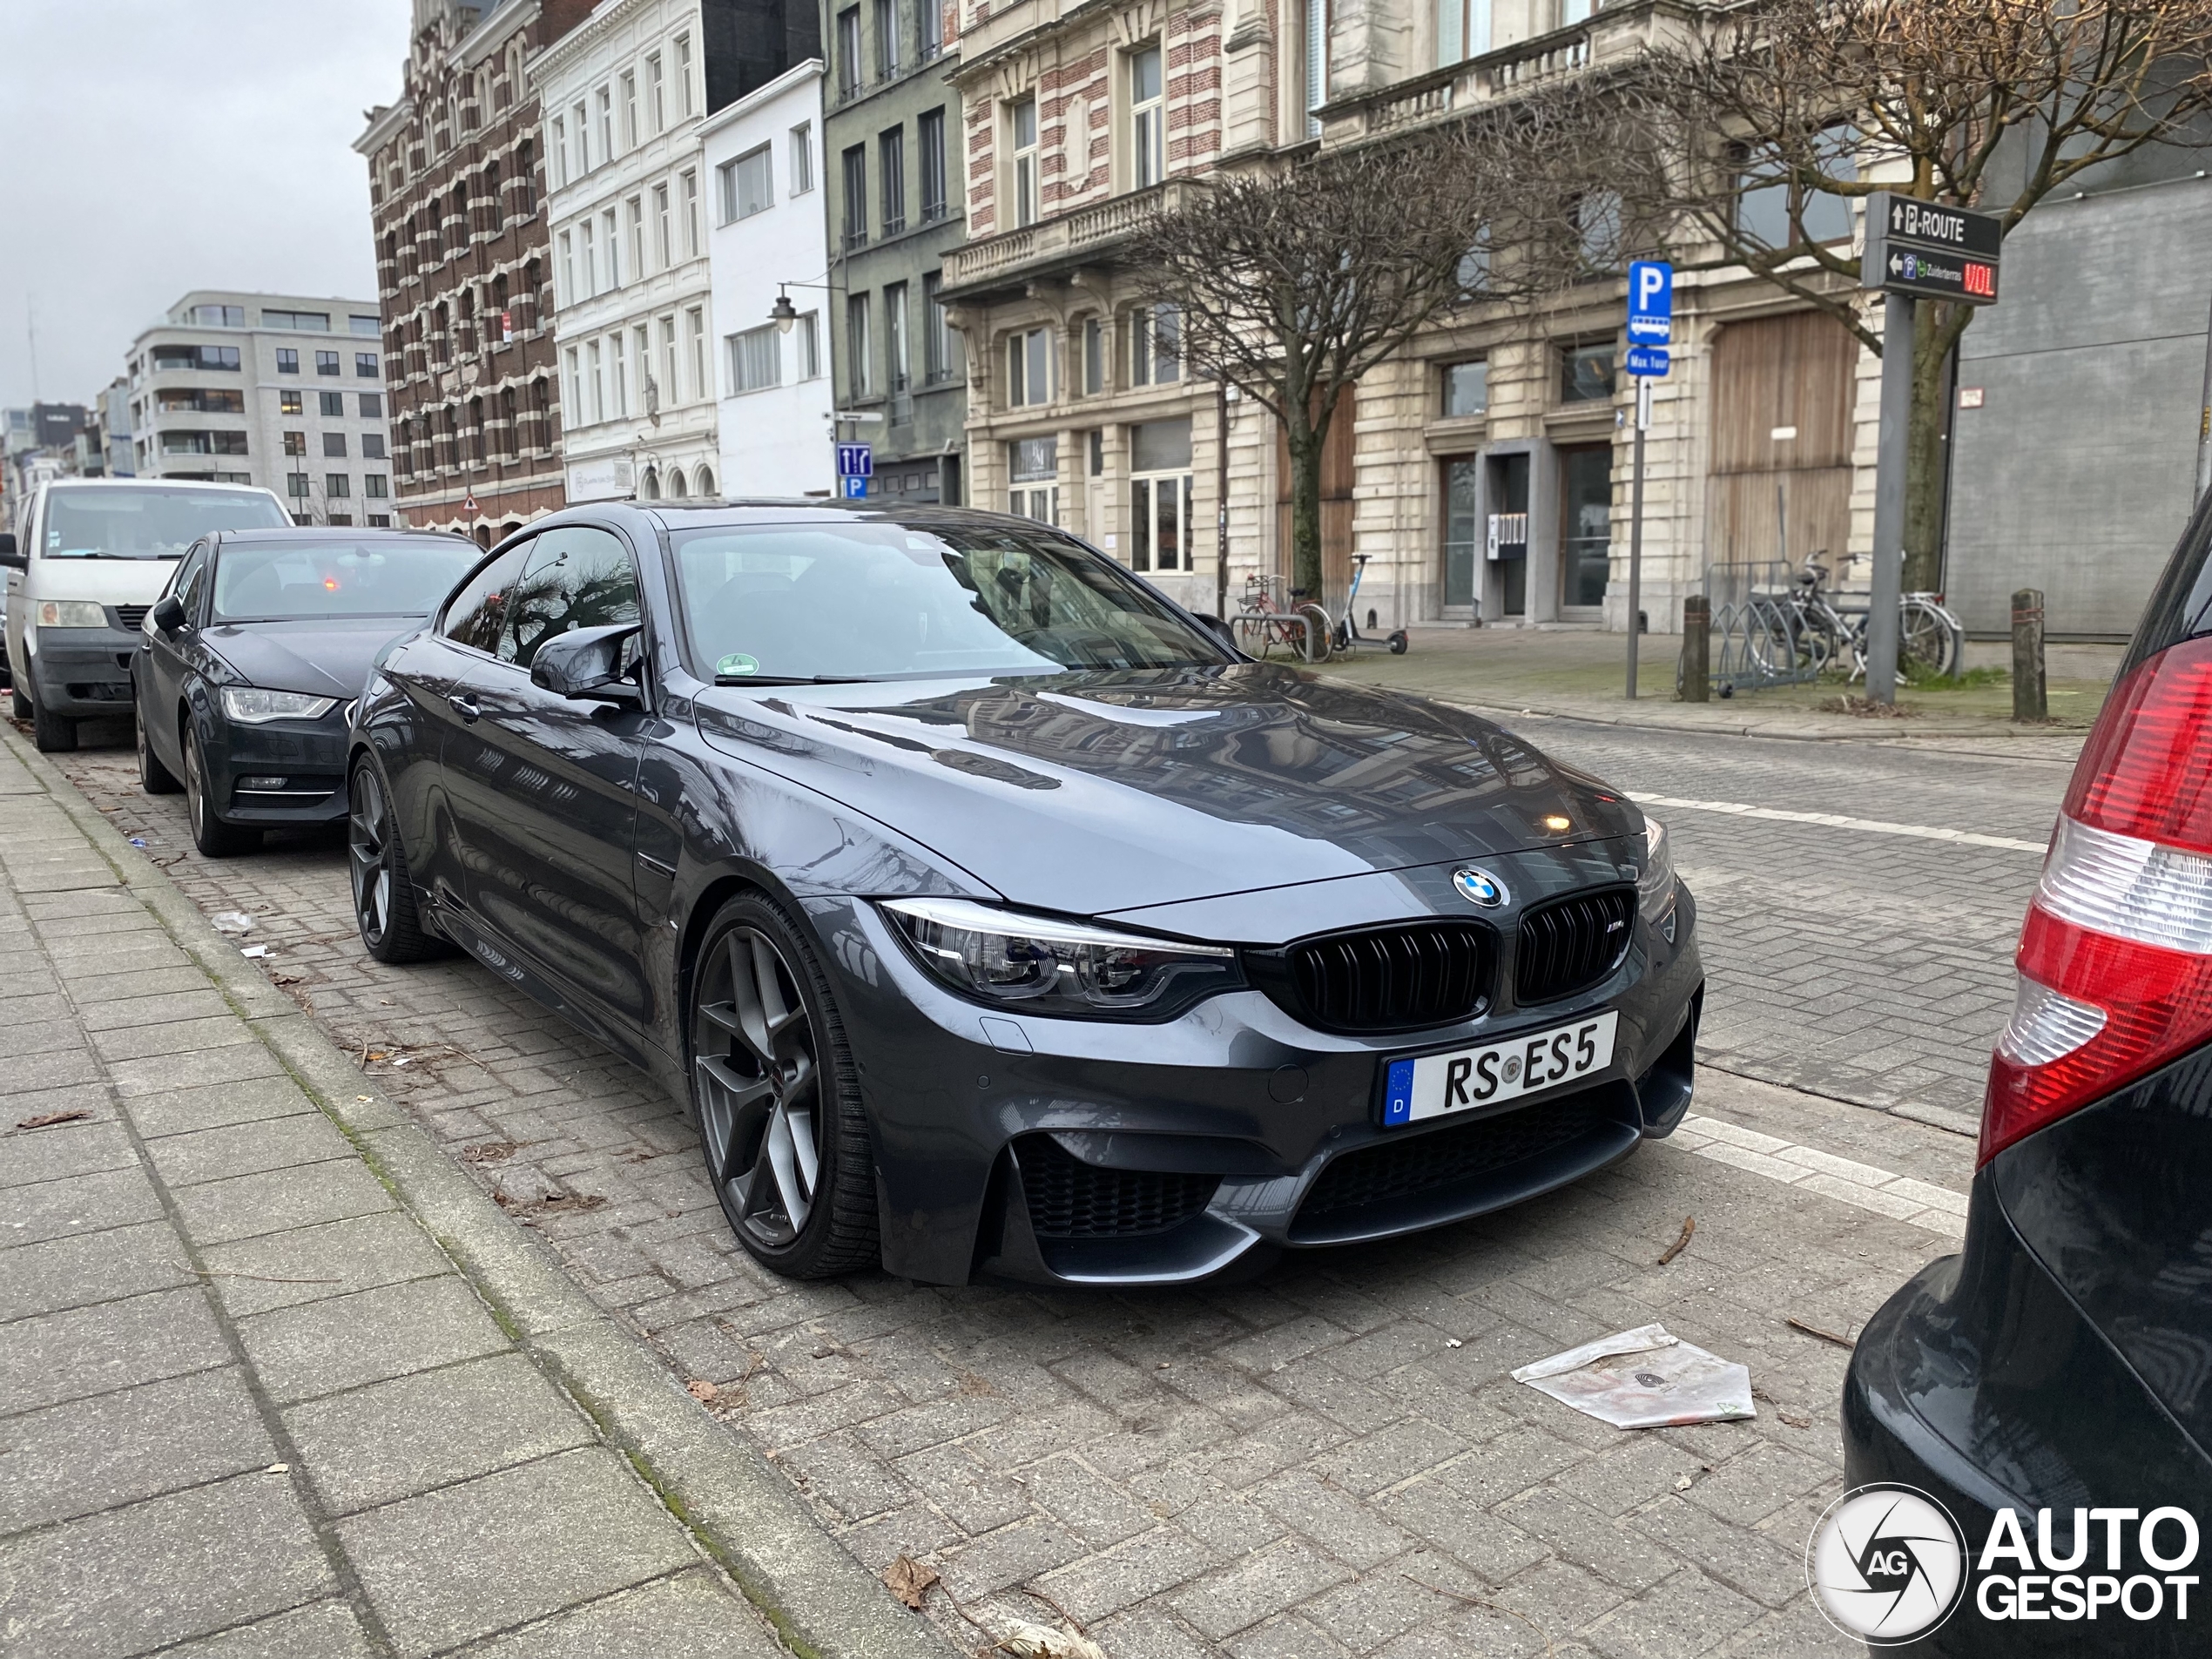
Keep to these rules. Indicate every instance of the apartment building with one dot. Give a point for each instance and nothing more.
(456, 193)
(895, 199)
(285, 391)
(763, 162)
(625, 96)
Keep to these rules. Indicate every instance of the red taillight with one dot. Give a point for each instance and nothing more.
(2115, 958)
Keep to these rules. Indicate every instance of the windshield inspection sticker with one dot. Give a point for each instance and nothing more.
(738, 663)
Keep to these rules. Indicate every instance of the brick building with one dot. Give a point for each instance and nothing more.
(464, 271)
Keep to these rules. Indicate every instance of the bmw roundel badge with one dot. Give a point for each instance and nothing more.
(1479, 887)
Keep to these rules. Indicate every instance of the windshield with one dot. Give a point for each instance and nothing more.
(399, 576)
(147, 523)
(872, 601)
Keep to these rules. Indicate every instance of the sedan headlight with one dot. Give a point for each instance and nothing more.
(1656, 886)
(251, 705)
(1069, 968)
(70, 613)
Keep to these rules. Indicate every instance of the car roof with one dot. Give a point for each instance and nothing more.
(769, 509)
(156, 484)
(336, 533)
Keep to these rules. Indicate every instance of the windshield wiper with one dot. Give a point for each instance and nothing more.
(791, 679)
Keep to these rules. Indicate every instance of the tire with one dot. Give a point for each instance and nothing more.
(1925, 638)
(1398, 643)
(209, 833)
(385, 909)
(55, 734)
(1323, 629)
(18, 705)
(778, 1098)
(154, 778)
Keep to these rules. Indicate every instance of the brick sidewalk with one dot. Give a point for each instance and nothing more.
(245, 1395)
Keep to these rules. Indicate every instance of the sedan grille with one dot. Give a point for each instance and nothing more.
(1398, 1169)
(131, 617)
(1567, 945)
(1383, 978)
(1071, 1199)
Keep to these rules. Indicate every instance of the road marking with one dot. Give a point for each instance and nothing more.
(1836, 821)
(1901, 1197)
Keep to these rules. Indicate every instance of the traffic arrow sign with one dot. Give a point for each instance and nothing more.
(1925, 248)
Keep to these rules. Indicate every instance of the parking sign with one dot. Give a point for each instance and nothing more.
(856, 461)
(855, 489)
(1651, 302)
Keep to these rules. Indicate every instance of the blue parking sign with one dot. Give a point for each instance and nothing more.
(856, 461)
(1651, 302)
(855, 489)
(1647, 360)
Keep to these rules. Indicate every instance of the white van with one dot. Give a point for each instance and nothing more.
(89, 557)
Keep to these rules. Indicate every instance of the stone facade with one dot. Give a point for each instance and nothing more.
(457, 191)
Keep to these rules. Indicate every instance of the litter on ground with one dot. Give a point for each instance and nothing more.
(1644, 1378)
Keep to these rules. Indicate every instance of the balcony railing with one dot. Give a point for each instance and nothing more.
(1066, 234)
(1461, 86)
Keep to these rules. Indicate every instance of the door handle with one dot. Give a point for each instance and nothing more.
(465, 706)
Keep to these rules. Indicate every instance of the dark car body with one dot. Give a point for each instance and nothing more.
(580, 849)
(265, 773)
(2062, 1362)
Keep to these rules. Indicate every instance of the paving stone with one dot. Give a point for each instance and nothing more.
(65, 1150)
(691, 1615)
(1687, 1614)
(84, 1351)
(179, 1111)
(317, 1348)
(247, 1148)
(322, 1631)
(1249, 1590)
(90, 1267)
(247, 1206)
(307, 1263)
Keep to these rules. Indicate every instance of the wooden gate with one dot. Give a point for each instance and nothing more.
(1337, 473)
(1780, 483)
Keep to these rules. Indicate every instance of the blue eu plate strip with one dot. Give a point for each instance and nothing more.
(1398, 1094)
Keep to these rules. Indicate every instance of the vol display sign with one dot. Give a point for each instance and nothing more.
(1928, 249)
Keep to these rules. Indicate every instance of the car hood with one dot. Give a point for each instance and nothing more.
(1093, 793)
(327, 657)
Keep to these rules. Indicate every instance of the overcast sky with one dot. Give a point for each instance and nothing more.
(148, 147)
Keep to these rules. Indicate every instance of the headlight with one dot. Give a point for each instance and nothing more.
(1656, 886)
(251, 705)
(1067, 968)
(70, 613)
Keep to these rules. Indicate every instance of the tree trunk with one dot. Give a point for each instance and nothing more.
(1305, 446)
(1927, 476)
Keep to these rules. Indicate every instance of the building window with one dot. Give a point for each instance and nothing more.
(373, 484)
(334, 446)
(370, 326)
(630, 109)
(596, 364)
(1317, 62)
(1021, 131)
(1585, 374)
(1155, 346)
(372, 446)
(887, 39)
(606, 102)
(591, 236)
(372, 406)
(748, 185)
(568, 295)
(684, 98)
(930, 26)
(806, 337)
(1093, 356)
(299, 322)
(1160, 496)
(336, 486)
(929, 139)
(890, 161)
(288, 361)
(220, 316)
(327, 362)
(618, 360)
(1462, 29)
(1033, 470)
(756, 359)
(663, 247)
(295, 485)
(856, 197)
(578, 125)
(857, 380)
(1028, 368)
(365, 365)
(613, 240)
(895, 335)
(655, 96)
(331, 405)
(634, 209)
(937, 338)
(289, 401)
(295, 443)
(691, 183)
(1148, 118)
(573, 395)
(694, 333)
(848, 52)
(671, 389)
(1466, 389)
(560, 152)
(801, 170)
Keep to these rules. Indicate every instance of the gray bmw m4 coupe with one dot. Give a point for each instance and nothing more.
(994, 916)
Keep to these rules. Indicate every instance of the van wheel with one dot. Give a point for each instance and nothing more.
(18, 705)
(55, 734)
(154, 778)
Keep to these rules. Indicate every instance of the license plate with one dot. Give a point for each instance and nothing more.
(1437, 1085)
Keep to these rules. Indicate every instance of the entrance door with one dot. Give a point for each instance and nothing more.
(1782, 436)
(1463, 539)
(1585, 526)
(1506, 536)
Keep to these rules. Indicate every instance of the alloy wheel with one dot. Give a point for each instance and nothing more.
(368, 828)
(761, 1110)
(195, 791)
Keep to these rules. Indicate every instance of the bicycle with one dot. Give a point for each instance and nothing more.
(1928, 634)
(1265, 616)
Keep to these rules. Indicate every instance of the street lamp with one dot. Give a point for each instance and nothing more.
(783, 314)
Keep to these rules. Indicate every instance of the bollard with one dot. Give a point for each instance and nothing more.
(1697, 647)
(2030, 702)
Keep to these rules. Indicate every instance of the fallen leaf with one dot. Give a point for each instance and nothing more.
(910, 1581)
(47, 1120)
(703, 1390)
(1689, 1227)
(487, 1151)
(1042, 1642)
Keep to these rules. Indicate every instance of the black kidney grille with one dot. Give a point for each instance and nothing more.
(1567, 945)
(1398, 1169)
(1071, 1199)
(1394, 979)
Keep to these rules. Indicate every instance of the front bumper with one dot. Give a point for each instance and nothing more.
(297, 768)
(82, 673)
(1980, 1383)
(1222, 1137)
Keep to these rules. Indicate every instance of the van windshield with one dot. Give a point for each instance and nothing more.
(137, 523)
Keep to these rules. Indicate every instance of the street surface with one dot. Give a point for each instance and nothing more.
(1334, 1459)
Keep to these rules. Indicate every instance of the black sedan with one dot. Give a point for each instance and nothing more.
(2051, 1386)
(994, 916)
(246, 662)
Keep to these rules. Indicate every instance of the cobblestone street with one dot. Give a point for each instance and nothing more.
(1333, 1459)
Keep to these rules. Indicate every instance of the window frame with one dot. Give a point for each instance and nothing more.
(1148, 113)
(1024, 161)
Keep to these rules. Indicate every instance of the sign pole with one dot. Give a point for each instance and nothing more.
(1893, 453)
(1635, 533)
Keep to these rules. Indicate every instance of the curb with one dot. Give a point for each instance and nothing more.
(739, 1509)
(1781, 728)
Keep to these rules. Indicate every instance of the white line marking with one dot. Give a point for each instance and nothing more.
(1901, 1197)
(1836, 821)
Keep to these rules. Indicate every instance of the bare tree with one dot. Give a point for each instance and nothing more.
(1784, 111)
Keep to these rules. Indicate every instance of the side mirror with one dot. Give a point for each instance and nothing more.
(9, 556)
(585, 663)
(1218, 629)
(169, 614)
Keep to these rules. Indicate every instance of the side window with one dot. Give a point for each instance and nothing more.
(576, 577)
(473, 617)
(186, 584)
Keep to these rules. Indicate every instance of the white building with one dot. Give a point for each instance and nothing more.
(623, 97)
(279, 390)
(763, 159)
